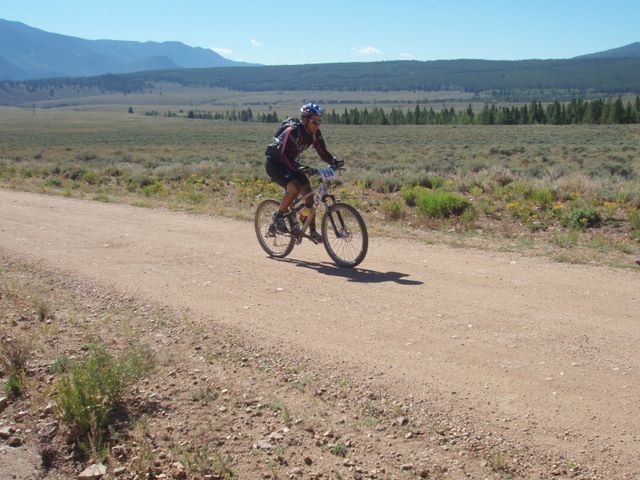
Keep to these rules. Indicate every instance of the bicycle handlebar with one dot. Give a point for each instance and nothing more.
(317, 171)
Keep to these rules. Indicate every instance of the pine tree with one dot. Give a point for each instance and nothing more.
(617, 114)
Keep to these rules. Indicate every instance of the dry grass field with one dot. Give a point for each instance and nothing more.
(569, 192)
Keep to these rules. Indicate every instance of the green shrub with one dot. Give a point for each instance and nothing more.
(393, 210)
(60, 365)
(583, 218)
(409, 195)
(469, 216)
(73, 172)
(89, 390)
(192, 197)
(476, 190)
(140, 181)
(53, 182)
(13, 359)
(339, 450)
(152, 189)
(521, 211)
(90, 177)
(612, 168)
(515, 191)
(440, 204)
(431, 182)
(15, 382)
(489, 208)
(543, 197)
(43, 310)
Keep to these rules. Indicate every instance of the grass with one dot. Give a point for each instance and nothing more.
(141, 438)
(524, 179)
(204, 395)
(199, 461)
(90, 389)
(14, 354)
(300, 383)
(43, 311)
(438, 204)
(498, 461)
(339, 450)
(286, 415)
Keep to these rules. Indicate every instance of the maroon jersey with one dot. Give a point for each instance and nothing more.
(291, 139)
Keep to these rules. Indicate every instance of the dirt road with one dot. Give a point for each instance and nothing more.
(547, 354)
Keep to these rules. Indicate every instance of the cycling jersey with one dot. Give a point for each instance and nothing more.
(290, 140)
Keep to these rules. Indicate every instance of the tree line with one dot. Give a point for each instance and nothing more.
(597, 111)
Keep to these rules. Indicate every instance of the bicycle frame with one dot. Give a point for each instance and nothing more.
(321, 195)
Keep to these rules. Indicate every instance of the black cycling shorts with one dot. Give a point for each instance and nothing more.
(282, 175)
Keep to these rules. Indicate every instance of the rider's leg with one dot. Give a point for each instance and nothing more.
(306, 189)
(292, 191)
(313, 233)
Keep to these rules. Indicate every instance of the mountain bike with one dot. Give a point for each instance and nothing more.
(343, 230)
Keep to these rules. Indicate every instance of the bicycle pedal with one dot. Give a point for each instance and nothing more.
(317, 240)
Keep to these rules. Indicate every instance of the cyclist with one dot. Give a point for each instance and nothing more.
(283, 161)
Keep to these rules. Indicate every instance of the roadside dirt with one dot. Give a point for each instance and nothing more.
(426, 362)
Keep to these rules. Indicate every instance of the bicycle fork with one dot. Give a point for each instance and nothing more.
(339, 227)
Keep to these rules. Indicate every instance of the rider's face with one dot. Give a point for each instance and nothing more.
(313, 123)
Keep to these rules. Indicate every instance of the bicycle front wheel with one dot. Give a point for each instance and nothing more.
(345, 235)
(275, 243)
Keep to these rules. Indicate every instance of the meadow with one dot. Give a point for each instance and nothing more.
(569, 192)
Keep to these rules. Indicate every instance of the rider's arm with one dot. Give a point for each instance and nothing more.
(321, 148)
(289, 152)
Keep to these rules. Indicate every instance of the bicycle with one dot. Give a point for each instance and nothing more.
(343, 230)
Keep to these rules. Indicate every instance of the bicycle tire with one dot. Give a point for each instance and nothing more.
(349, 244)
(276, 244)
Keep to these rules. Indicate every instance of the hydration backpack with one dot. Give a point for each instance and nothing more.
(288, 122)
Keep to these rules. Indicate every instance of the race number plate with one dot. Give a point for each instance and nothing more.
(328, 173)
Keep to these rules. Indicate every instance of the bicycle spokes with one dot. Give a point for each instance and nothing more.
(341, 228)
(345, 235)
(275, 243)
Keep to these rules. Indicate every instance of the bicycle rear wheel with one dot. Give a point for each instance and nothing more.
(276, 244)
(345, 235)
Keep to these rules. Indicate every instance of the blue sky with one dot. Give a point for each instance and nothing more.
(280, 33)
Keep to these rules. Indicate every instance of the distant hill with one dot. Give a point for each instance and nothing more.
(489, 80)
(605, 75)
(628, 51)
(30, 53)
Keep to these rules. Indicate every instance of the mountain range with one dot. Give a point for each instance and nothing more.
(30, 53)
(36, 65)
(628, 51)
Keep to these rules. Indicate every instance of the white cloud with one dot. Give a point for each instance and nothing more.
(407, 56)
(368, 50)
(255, 43)
(225, 52)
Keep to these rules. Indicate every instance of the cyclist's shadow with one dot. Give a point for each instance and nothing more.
(360, 275)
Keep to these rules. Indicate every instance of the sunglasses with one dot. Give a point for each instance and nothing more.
(316, 122)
